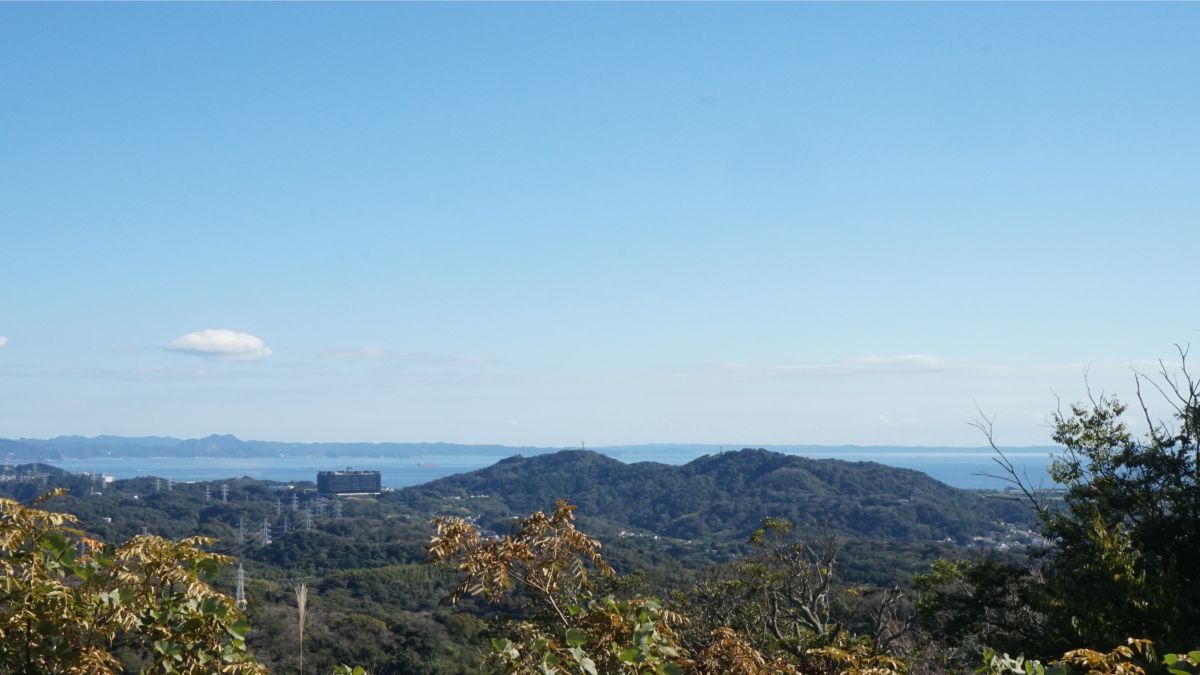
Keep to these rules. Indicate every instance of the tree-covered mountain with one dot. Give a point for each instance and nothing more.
(723, 495)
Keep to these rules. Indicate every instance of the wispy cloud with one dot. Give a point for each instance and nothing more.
(221, 343)
(357, 354)
(125, 374)
(895, 421)
(380, 354)
(904, 364)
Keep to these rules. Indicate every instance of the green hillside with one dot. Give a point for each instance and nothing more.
(724, 496)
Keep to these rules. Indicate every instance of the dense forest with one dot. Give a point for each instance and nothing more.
(725, 496)
(745, 561)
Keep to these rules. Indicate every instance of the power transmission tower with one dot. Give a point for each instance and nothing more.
(224, 493)
(157, 484)
(241, 530)
(337, 509)
(241, 588)
(207, 492)
(266, 532)
(278, 507)
(285, 523)
(295, 502)
(170, 485)
(308, 520)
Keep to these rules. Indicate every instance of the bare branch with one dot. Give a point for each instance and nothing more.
(986, 425)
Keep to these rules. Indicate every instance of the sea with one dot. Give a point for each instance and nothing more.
(968, 468)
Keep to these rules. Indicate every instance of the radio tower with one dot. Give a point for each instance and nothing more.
(241, 530)
(266, 532)
(224, 493)
(241, 588)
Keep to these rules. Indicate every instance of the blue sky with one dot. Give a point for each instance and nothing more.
(531, 223)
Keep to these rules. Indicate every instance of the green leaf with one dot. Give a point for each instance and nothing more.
(629, 654)
(207, 568)
(576, 637)
(239, 629)
(500, 645)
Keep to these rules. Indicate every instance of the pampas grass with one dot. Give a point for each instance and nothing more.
(302, 604)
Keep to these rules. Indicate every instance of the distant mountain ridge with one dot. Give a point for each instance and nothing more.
(227, 445)
(722, 495)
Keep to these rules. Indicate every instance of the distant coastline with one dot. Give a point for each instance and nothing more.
(404, 464)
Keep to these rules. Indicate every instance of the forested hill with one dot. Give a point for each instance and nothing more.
(722, 495)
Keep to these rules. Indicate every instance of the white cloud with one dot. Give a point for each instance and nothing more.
(221, 343)
(3, 340)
